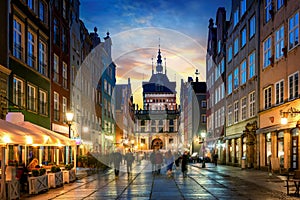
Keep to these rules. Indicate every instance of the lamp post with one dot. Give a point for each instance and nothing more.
(203, 135)
(132, 145)
(69, 116)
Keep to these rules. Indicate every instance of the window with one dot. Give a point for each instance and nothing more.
(280, 147)
(294, 31)
(236, 46)
(203, 103)
(56, 106)
(229, 115)
(56, 32)
(105, 85)
(64, 41)
(243, 72)
(268, 10)
(64, 108)
(222, 116)
(251, 63)
(252, 27)
(64, 9)
(56, 68)
(65, 75)
(235, 17)
(268, 97)
(279, 42)
(43, 68)
(236, 78)
(31, 98)
(43, 109)
(293, 86)
(279, 92)
(203, 118)
(243, 37)
(236, 112)
(219, 46)
(17, 48)
(30, 49)
(42, 12)
(171, 122)
(244, 107)
(267, 52)
(18, 92)
(30, 4)
(229, 53)
(229, 84)
(280, 4)
(222, 66)
(109, 88)
(252, 104)
(243, 7)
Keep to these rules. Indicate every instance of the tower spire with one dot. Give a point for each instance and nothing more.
(159, 67)
(152, 66)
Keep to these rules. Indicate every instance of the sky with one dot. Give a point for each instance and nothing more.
(138, 27)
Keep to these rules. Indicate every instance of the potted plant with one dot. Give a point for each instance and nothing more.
(38, 181)
(55, 178)
(35, 173)
(69, 173)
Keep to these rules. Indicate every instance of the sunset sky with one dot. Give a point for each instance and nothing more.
(137, 28)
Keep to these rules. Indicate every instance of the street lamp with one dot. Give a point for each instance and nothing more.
(203, 135)
(69, 116)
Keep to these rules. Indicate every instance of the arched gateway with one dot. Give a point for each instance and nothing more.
(157, 143)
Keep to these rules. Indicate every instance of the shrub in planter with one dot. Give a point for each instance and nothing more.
(55, 169)
(69, 166)
(42, 171)
(35, 172)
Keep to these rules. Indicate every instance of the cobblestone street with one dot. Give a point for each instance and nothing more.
(221, 182)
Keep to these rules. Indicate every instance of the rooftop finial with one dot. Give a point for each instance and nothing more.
(152, 66)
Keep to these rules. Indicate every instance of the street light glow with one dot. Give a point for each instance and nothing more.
(69, 116)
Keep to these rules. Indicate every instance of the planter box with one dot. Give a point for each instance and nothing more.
(37, 184)
(69, 176)
(13, 189)
(55, 179)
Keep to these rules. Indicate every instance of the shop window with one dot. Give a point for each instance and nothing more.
(268, 147)
(280, 145)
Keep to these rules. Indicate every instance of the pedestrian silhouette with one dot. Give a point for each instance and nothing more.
(158, 161)
(129, 160)
(184, 163)
(152, 160)
(169, 159)
(117, 159)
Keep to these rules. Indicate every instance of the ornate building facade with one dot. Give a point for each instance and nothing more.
(156, 125)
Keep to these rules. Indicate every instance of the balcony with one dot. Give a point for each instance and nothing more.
(157, 114)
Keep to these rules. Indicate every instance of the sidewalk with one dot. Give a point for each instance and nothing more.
(258, 177)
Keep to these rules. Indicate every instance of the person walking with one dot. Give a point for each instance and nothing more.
(152, 160)
(169, 159)
(158, 161)
(184, 163)
(215, 158)
(129, 160)
(117, 159)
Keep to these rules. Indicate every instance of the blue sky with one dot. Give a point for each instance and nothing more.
(136, 26)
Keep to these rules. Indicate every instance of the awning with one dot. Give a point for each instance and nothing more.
(26, 133)
(54, 139)
(13, 134)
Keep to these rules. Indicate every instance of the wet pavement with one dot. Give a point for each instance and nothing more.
(221, 182)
